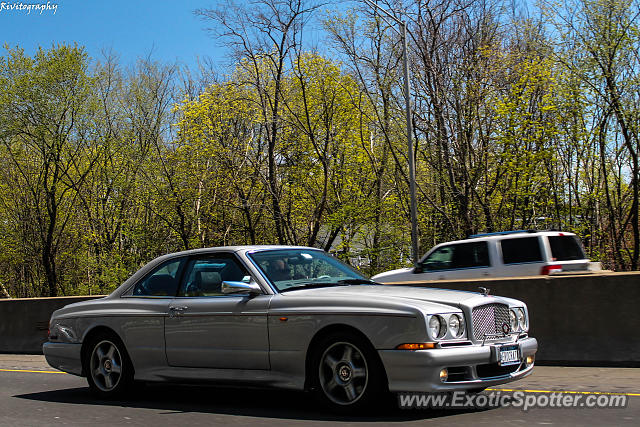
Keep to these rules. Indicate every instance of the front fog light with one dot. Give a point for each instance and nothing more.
(444, 374)
(530, 360)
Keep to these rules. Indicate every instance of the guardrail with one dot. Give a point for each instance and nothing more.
(24, 322)
(589, 320)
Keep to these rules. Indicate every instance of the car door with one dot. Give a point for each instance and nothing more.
(458, 261)
(143, 312)
(521, 256)
(208, 329)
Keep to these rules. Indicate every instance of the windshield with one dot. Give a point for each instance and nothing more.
(289, 269)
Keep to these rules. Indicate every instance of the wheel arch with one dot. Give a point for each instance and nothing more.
(98, 330)
(327, 331)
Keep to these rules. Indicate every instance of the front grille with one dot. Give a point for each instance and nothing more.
(488, 320)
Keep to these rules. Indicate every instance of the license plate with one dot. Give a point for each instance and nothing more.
(509, 355)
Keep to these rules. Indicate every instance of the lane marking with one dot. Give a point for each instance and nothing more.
(32, 372)
(565, 392)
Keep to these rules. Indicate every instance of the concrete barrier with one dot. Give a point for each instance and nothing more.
(24, 322)
(589, 320)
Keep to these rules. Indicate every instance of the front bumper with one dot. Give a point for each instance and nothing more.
(474, 367)
(64, 356)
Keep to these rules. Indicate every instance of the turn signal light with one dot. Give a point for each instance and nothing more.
(417, 346)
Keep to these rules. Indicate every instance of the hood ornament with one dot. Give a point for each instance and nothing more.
(485, 291)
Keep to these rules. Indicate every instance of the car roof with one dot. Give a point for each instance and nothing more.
(508, 235)
(238, 248)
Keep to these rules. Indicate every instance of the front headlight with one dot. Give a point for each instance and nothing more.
(456, 325)
(437, 327)
(522, 319)
(513, 320)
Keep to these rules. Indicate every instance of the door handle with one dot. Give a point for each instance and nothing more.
(176, 310)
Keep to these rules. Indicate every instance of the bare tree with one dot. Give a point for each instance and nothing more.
(263, 35)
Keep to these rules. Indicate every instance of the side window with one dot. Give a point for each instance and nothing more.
(204, 276)
(440, 259)
(461, 255)
(471, 255)
(520, 250)
(162, 282)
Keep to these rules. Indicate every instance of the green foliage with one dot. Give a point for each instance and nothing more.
(103, 169)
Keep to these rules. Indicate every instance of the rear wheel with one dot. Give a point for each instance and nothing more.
(109, 370)
(348, 374)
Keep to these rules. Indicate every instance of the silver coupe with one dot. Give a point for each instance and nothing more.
(289, 317)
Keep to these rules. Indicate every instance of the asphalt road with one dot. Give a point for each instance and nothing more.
(33, 394)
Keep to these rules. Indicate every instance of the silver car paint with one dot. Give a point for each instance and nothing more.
(256, 340)
(227, 332)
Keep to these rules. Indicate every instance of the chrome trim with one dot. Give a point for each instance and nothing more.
(515, 374)
(502, 335)
(235, 288)
(488, 321)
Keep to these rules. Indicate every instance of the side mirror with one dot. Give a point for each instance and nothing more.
(230, 288)
(418, 269)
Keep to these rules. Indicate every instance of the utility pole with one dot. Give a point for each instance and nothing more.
(410, 157)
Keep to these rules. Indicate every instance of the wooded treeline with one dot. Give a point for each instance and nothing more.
(522, 119)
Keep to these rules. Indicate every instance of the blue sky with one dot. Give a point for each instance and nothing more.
(134, 28)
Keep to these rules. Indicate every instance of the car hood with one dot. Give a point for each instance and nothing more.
(392, 273)
(381, 295)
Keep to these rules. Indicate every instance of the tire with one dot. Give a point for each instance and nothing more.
(109, 369)
(347, 374)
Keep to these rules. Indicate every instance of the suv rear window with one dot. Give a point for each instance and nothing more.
(519, 250)
(566, 248)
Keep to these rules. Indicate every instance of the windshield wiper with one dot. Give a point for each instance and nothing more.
(313, 286)
(357, 282)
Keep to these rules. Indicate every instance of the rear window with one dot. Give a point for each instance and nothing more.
(520, 250)
(566, 248)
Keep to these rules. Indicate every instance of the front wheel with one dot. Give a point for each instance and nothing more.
(348, 373)
(109, 371)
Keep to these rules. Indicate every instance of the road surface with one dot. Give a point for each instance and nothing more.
(31, 393)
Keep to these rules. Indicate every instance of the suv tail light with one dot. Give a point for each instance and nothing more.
(548, 269)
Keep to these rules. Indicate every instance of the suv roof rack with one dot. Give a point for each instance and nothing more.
(501, 233)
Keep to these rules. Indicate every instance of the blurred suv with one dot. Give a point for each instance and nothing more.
(502, 254)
